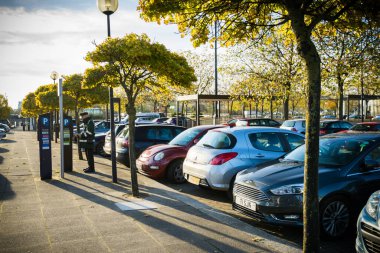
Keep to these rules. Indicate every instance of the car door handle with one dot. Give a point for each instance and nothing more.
(259, 155)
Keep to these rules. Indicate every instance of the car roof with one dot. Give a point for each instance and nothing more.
(354, 135)
(295, 120)
(368, 123)
(253, 129)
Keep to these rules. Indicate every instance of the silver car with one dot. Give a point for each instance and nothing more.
(295, 125)
(216, 159)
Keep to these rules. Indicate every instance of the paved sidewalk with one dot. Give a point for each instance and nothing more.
(84, 212)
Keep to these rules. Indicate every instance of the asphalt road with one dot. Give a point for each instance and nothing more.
(219, 201)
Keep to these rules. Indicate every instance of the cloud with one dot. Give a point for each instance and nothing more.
(34, 42)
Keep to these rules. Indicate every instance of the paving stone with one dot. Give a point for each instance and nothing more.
(71, 233)
(23, 239)
(66, 221)
(44, 248)
(140, 241)
(20, 226)
(80, 246)
(60, 212)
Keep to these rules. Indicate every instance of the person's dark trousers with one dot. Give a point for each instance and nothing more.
(90, 158)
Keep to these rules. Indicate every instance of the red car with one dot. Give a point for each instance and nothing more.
(165, 160)
(365, 126)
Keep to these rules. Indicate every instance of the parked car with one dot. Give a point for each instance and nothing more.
(365, 127)
(160, 120)
(5, 127)
(328, 117)
(377, 117)
(348, 173)
(2, 134)
(333, 126)
(215, 160)
(107, 139)
(257, 122)
(368, 226)
(231, 123)
(182, 121)
(6, 122)
(166, 160)
(145, 136)
(295, 125)
(146, 115)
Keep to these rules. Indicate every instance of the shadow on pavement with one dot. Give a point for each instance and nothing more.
(7, 141)
(6, 191)
(160, 221)
(3, 150)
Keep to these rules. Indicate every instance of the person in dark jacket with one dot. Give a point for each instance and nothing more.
(87, 140)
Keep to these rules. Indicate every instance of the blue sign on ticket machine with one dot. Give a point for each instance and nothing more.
(44, 137)
(68, 143)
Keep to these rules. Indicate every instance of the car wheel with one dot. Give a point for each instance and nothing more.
(175, 172)
(230, 189)
(335, 217)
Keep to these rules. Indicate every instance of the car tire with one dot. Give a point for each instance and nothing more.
(335, 217)
(175, 173)
(230, 189)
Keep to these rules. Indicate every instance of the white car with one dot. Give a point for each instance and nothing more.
(216, 159)
(295, 125)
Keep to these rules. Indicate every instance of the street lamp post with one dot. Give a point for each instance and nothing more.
(54, 76)
(108, 7)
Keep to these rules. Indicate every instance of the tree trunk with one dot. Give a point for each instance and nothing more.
(262, 107)
(77, 122)
(132, 151)
(286, 101)
(271, 107)
(340, 91)
(309, 54)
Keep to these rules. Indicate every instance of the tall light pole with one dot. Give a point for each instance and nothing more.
(108, 7)
(54, 75)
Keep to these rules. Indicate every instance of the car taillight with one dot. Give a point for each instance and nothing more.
(125, 143)
(293, 129)
(223, 158)
(321, 132)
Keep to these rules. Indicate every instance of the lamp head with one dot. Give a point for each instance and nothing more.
(54, 75)
(107, 6)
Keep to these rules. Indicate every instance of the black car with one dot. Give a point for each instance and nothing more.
(349, 171)
(333, 126)
(145, 136)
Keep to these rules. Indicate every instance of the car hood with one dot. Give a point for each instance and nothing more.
(162, 148)
(280, 173)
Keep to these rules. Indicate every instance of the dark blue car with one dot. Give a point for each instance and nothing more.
(349, 172)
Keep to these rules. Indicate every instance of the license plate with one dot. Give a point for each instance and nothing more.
(193, 180)
(245, 202)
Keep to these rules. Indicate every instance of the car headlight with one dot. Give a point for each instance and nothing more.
(159, 156)
(288, 189)
(372, 206)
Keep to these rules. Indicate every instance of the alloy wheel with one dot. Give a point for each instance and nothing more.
(335, 218)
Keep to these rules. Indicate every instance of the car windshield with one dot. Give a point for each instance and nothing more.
(217, 140)
(184, 138)
(332, 151)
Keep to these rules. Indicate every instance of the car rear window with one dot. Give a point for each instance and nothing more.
(288, 123)
(217, 140)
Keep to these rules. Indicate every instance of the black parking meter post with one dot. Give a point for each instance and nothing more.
(44, 138)
(67, 137)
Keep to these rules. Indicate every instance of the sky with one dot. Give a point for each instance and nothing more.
(41, 36)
